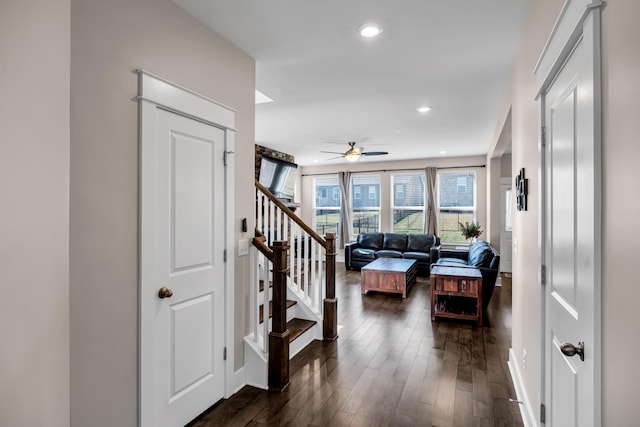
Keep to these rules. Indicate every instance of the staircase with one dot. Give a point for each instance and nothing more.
(294, 277)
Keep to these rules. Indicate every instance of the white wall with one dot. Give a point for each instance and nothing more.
(109, 39)
(386, 168)
(34, 213)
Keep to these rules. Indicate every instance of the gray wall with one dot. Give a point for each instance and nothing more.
(109, 39)
(34, 213)
(620, 247)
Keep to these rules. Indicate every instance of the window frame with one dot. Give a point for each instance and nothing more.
(377, 193)
(325, 194)
(473, 209)
(392, 202)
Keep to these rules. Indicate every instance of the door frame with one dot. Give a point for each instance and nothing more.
(155, 93)
(566, 33)
(506, 181)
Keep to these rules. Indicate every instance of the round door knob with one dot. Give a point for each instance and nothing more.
(571, 350)
(165, 292)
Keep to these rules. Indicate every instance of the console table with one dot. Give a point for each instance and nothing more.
(456, 292)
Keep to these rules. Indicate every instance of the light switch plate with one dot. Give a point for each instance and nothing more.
(243, 247)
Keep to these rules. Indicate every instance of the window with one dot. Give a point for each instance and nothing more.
(454, 205)
(408, 203)
(326, 209)
(365, 212)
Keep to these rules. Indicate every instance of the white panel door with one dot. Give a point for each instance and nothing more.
(571, 239)
(183, 243)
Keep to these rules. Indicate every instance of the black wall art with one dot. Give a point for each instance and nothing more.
(522, 189)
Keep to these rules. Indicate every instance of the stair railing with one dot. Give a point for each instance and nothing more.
(311, 260)
(271, 265)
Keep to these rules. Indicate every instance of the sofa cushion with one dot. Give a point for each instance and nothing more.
(452, 261)
(480, 254)
(386, 253)
(395, 242)
(362, 253)
(370, 240)
(418, 256)
(420, 242)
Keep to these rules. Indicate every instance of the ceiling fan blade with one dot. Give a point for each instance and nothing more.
(374, 153)
(333, 158)
(331, 152)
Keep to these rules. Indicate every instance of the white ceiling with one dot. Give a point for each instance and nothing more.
(331, 86)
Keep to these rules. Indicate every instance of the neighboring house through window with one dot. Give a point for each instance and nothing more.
(407, 202)
(456, 200)
(326, 210)
(365, 212)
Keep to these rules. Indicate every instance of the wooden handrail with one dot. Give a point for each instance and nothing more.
(292, 215)
(259, 242)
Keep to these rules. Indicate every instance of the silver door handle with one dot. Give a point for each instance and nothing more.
(571, 350)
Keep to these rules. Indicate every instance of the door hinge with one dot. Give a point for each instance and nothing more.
(542, 413)
(224, 255)
(225, 157)
(543, 136)
(543, 274)
(224, 354)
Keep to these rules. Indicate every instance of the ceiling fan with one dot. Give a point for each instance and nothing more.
(354, 153)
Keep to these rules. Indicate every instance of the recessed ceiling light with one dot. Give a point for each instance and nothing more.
(369, 30)
(423, 109)
(443, 152)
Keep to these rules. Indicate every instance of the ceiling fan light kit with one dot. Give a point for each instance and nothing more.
(354, 153)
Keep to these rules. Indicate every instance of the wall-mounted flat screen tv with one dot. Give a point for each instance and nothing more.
(279, 177)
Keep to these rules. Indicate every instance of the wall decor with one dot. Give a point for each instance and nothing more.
(522, 190)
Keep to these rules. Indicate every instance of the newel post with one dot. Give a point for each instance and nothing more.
(330, 322)
(279, 335)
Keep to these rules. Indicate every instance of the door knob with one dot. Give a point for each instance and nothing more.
(165, 292)
(570, 350)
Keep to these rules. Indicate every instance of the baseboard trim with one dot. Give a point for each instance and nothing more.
(238, 380)
(527, 412)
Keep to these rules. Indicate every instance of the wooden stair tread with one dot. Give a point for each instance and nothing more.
(297, 327)
(289, 304)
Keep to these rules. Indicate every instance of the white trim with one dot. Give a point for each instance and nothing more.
(566, 30)
(155, 92)
(230, 269)
(527, 412)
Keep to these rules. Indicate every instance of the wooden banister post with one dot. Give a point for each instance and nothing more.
(279, 335)
(330, 321)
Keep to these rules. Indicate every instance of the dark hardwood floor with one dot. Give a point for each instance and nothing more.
(390, 366)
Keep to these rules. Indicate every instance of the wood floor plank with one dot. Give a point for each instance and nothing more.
(463, 409)
(390, 366)
(482, 399)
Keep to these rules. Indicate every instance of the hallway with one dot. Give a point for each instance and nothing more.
(390, 367)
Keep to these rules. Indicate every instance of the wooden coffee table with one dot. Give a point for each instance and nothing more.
(394, 275)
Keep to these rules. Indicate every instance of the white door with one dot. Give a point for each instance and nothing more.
(571, 238)
(182, 244)
(507, 200)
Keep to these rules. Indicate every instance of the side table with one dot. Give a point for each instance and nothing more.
(456, 292)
